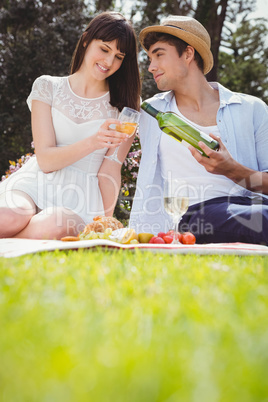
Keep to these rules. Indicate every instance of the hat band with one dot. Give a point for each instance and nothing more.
(174, 26)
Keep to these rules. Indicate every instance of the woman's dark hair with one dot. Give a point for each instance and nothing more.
(153, 37)
(124, 84)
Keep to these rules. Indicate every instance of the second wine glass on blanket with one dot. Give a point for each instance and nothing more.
(176, 202)
(129, 119)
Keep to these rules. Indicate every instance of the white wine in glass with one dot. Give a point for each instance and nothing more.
(129, 119)
(176, 202)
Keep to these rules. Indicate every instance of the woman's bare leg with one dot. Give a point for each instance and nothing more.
(16, 210)
(53, 223)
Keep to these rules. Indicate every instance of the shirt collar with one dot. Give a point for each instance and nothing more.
(226, 96)
(167, 96)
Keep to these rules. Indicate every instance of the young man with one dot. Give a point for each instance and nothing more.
(228, 190)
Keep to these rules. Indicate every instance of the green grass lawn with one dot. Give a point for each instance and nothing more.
(133, 327)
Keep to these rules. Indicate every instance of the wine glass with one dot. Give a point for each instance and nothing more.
(130, 119)
(176, 202)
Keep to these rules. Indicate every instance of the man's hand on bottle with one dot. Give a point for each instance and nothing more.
(218, 162)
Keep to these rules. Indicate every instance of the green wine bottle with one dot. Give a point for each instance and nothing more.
(177, 128)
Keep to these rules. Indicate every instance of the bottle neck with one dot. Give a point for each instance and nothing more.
(149, 109)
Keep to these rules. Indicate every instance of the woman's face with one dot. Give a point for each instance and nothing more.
(102, 59)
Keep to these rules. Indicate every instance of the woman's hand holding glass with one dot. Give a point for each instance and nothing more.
(107, 138)
(129, 119)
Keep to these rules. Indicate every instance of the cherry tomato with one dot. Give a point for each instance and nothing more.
(179, 237)
(161, 234)
(168, 239)
(170, 233)
(188, 238)
(159, 240)
(156, 239)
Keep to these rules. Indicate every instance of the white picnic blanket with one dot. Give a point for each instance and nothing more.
(17, 247)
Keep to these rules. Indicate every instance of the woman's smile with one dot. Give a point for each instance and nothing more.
(102, 68)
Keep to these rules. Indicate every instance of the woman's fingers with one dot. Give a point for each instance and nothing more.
(109, 131)
(108, 135)
(110, 138)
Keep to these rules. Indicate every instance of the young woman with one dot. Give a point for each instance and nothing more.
(69, 181)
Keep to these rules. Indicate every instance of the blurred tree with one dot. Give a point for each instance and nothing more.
(244, 67)
(215, 16)
(104, 5)
(36, 37)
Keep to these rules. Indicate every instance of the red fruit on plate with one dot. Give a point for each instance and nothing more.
(152, 239)
(188, 238)
(168, 239)
(159, 240)
(161, 234)
(170, 233)
(179, 237)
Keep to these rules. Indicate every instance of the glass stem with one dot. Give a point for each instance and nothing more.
(115, 153)
(176, 230)
(114, 157)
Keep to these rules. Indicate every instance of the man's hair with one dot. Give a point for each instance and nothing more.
(153, 37)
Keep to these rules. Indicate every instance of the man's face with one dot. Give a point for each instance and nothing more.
(166, 66)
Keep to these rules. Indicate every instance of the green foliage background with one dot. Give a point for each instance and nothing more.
(35, 38)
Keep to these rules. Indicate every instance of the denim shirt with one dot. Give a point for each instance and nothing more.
(243, 124)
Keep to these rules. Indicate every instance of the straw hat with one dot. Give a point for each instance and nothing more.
(190, 31)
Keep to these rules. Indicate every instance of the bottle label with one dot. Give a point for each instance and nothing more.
(205, 136)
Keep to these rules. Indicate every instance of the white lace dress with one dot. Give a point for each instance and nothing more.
(74, 118)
